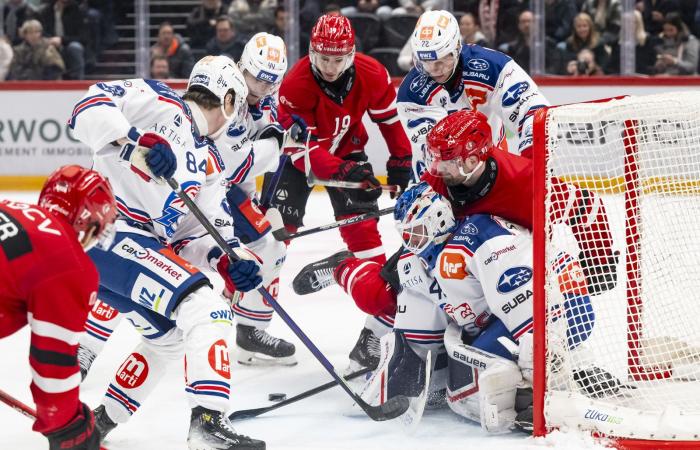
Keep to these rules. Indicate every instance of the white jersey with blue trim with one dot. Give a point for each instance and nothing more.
(111, 111)
(491, 82)
(244, 156)
(486, 268)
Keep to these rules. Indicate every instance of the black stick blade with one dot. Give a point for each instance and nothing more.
(391, 409)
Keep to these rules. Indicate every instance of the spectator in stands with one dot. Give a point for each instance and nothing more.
(584, 64)
(677, 54)
(160, 69)
(278, 29)
(607, 17)
(654, 12)
(469, 29)
(35, 58)
(64, 24)
(558, 18)
(241, 8)
(5, 56)
(201, 23)
(644, 51)
(179, 54)
(226, 41)
(14, 13)
(382, 8)
(584, 36)
(519, 48)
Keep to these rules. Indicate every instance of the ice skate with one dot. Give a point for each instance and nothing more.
(257, 347)
(318, 275)
(211, 430)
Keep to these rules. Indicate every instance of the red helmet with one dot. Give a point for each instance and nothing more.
(84, 198)
(459, 135)
(333, 35)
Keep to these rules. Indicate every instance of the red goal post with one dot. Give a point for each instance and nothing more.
(641, 156)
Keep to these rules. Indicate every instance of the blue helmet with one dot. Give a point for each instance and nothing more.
(407, 198)
(425, 221)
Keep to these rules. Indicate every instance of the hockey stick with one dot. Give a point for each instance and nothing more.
(282, 234)
(250, 413)
(17, 405)
(269, 193)
(312, 180)
(385, 411)
(21, 407)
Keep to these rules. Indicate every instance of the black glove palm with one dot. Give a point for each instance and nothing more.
(398, 170)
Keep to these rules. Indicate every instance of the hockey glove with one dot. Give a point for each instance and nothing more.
(293, 137)
(360, 172)
(398, 170)
(79, 434)
(152, 154)
(242, 275)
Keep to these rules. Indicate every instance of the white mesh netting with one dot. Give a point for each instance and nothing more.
(640, 158)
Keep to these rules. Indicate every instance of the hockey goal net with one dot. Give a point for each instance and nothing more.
(641, 157)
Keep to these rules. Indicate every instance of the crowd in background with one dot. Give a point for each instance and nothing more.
(64, 39)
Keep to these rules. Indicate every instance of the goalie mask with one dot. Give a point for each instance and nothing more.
(263, 63)
(453, 140)
(332, 46)
(220, 76)
(436, 43)
(425, 221)
(85, 199)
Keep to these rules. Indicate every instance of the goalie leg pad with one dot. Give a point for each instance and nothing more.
(401, 371)
(481, 386)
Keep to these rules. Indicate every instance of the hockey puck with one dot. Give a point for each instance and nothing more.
(277, 397)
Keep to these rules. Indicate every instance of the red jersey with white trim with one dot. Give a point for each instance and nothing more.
(339, 127)
(510, 197)
(47, 281)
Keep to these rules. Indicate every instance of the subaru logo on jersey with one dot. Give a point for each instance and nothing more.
(200, 79)
(267, 76)
(470, 228)
(514, 92)
(417, 122)
(427, 56)
(418, 83)
(235, 130)
(513, 278)
(116, 91)
(478, 64)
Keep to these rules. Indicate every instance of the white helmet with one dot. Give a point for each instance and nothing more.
(265, 58)
(218, 75)
(436, 35)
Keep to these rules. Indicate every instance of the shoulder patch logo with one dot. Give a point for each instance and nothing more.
(514, 92)
(452, 265)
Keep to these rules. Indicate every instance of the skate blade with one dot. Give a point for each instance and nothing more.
(259, 359)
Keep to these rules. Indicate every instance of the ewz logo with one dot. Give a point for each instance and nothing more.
(267, 76)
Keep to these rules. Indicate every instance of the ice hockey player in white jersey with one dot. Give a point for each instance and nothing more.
(468, 286)
(140, 131)
(449, 76)
(251, 148)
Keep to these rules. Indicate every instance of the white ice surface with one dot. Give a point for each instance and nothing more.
(325, 421)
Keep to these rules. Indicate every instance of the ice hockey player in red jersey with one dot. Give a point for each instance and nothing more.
(331, 89)
(465, 168)
(48, 282)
